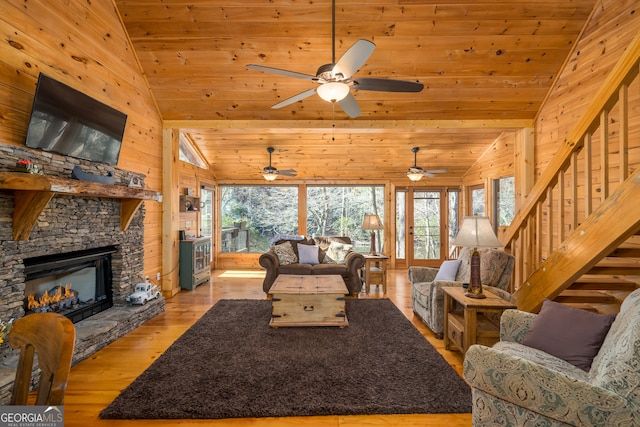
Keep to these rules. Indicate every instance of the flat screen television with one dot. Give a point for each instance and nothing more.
(68, 122)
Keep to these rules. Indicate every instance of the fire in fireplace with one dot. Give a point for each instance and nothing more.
(57, 299)
(75, 284)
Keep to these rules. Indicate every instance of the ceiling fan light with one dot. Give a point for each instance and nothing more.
(270, 176)
(414, 176)
(333, 91)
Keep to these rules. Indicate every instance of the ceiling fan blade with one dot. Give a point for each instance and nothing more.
(437, 171)
(387, 85)
(428, 175)
(287, 172)
(353, 58)
(282, 72)
(295, 98)
(350, 106)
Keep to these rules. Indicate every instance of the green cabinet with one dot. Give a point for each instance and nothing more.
(195, 262)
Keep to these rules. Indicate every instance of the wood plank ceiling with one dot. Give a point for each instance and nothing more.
(486, 66)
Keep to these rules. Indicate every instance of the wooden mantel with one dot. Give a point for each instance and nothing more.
(33, 192)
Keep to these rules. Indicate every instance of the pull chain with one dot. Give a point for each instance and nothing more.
(333, 121)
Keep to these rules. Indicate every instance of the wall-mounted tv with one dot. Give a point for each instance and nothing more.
(68, 122)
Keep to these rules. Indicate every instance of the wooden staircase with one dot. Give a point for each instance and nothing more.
(577, 237)
(605, 285)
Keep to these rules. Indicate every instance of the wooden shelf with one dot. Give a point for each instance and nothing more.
(33, 192)
(189, 204)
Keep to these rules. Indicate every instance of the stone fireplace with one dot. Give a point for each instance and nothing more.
(76, 226)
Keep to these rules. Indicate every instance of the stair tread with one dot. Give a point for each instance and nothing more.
(601, 278)
(583, 292)
(604, 285)
(584, 296)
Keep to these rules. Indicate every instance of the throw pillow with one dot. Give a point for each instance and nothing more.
(308, 254)
(338, 251)
(326, 259)
(448, 270)
(285, 253)
(568, 333)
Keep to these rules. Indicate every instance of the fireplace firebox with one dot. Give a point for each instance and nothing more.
(76, 284)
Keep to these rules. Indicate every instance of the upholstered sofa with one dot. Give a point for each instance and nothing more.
(427, 297)
(335, 256)
(515, 385)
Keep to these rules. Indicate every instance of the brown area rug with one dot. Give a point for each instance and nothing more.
(231, 364)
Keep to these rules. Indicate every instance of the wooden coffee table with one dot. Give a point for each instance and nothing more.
(308, 300)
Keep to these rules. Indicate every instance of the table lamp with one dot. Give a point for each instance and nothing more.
(476, 232)
(372, 222)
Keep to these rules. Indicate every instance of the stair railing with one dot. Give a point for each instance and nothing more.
(581, 174)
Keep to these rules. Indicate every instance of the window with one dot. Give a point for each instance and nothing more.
(189, 153)
(340, 210)
(426, 225)
(253, 215)
(454, 216)
(476, 200)
(505, 200)
(401, 217)
(206, 211)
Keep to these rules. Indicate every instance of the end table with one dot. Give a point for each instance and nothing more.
(375, 271)
(470, 327)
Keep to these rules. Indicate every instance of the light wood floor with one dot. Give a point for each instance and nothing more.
(96, 381)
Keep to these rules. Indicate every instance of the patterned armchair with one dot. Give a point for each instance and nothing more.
(427, 297)
(515, 385)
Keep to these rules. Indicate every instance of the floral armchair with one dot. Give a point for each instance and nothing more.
(516, 385)
(427, 297)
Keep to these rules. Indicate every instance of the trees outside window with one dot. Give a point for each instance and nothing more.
(426, 225)
(454, 216)
(476, 198)
(505, 201)
(253, 215)
(340, 210)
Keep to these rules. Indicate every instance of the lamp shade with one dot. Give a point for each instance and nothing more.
(333, 91)
(476, 232)
(372, 222)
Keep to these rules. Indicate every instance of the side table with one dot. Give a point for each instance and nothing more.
(471, 326)
(375, 271)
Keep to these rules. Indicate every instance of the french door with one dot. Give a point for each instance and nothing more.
(426, 220)
(207, 204)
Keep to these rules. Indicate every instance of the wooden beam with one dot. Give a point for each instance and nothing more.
(351, 124)
(170, 212)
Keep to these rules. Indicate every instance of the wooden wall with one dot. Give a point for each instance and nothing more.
(498, 161)
(192, 177)
(84, 45)
(611, 28)
(613, 25)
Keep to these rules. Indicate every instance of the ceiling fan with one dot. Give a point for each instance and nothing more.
(415, 173)
(336, 79)
(270, 173)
